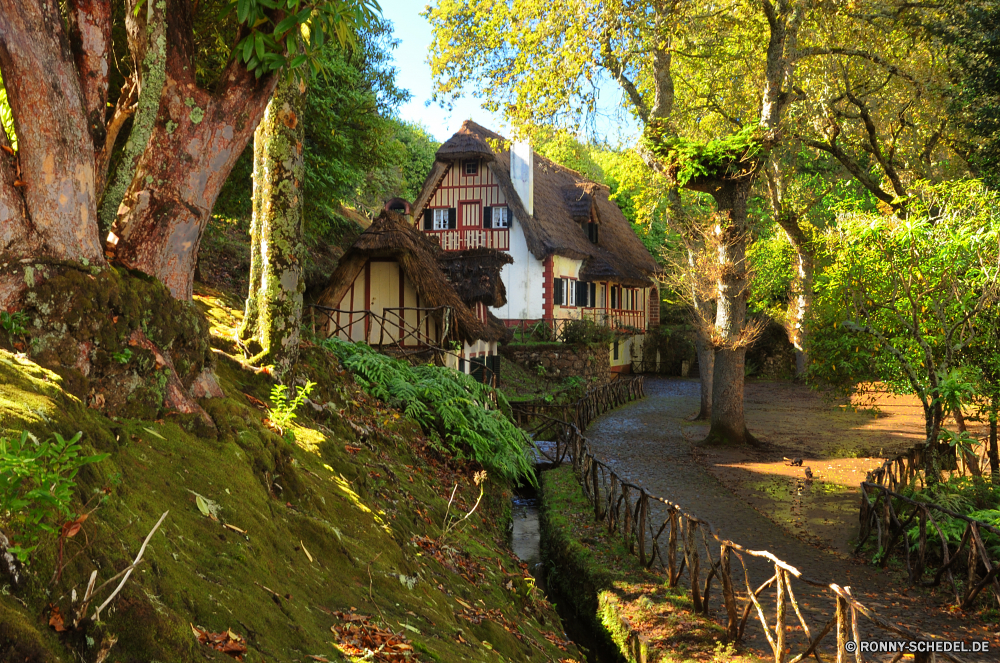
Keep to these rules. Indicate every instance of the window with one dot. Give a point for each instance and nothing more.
(496, 217)
(592, 232)
(472, 167)
(500, 217)
(614, 297)
(557, 291)
(616, 348)
(440, 219)
(582, 290)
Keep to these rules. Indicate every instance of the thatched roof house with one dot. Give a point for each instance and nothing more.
(564, 202)
(573, 253)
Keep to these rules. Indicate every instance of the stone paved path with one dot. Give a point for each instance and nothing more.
(643, 442)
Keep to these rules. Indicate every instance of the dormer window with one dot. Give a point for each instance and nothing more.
(471, 167)
(592, 231)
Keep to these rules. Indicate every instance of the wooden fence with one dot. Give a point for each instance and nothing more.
(891, 516)
(685, 548)
(398, 337)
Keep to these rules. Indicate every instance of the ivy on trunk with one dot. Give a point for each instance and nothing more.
(273, 318)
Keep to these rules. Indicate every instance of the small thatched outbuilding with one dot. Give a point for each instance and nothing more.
(389, 290)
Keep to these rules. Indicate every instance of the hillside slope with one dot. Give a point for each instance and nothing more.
(310, 551)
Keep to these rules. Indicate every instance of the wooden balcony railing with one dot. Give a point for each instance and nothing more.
(473, 238)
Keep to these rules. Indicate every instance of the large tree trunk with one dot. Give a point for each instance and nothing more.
(51, 213)
(273, 318)
(728, 425)
(193, 146)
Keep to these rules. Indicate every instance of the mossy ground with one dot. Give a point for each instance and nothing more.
(331, 523)
(633, 607)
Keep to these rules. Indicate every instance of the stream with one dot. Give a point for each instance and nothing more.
(526, 536)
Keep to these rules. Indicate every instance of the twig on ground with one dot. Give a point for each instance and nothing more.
(97, 612)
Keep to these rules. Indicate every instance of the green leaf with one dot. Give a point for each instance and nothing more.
(286, 24)
(242, 10)
(259, 45)
(202, 505)
(154, 433)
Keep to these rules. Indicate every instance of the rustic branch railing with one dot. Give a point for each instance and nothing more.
(891, 515)
(684, 542)
(392, 326)
(394, 318)
(681, 548)
(888, 513)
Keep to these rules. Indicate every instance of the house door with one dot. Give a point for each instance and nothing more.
(384, 290)
(470, 215)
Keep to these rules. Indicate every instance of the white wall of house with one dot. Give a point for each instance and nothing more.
(523, 280)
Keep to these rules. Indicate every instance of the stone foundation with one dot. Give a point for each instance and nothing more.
(561, 360)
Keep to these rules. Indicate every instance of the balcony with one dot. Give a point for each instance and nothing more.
(472, 238)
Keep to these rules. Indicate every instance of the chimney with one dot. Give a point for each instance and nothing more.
(522, 174)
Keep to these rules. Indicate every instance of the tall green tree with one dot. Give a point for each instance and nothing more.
(907, 302)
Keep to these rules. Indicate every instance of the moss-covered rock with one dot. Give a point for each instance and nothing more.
(117, 339)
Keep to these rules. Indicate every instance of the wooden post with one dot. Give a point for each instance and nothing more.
(693, 567)
(672, 548)
(729, 595)
(779, 620)
(641, 526)
(842, 626)
(595, 477)
(854, 629)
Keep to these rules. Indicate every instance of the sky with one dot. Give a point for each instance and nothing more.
(414, 33)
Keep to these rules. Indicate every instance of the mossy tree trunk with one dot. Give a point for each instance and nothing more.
(273, 317)
(728, 425)
(189, 148)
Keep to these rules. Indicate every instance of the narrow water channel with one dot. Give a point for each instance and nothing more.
(526, 538)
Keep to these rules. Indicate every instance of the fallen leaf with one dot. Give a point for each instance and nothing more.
(202, 505)
(306, 551)
(154, 433)
(56, 619)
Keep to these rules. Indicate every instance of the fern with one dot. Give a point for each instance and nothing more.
(446, 403)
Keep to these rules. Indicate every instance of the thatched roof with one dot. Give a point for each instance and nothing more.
(465, 144)
(475, 274)
(390, 236)
(564, 201)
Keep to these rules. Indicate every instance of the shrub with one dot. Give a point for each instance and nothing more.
(587, 332)
(36, 487)
(471, 419)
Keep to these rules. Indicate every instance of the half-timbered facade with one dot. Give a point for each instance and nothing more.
(574, 254)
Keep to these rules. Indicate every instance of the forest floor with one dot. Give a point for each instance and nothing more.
(839, 440)
(653, 444)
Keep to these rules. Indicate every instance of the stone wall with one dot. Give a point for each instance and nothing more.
(561, 360)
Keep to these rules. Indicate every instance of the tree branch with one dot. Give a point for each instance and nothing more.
(873, 140)
(855, 53)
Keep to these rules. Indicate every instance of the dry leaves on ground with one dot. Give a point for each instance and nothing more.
(227, 642)
(453, 560)
(358, 636)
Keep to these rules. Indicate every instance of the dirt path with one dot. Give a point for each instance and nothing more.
(650, 443)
